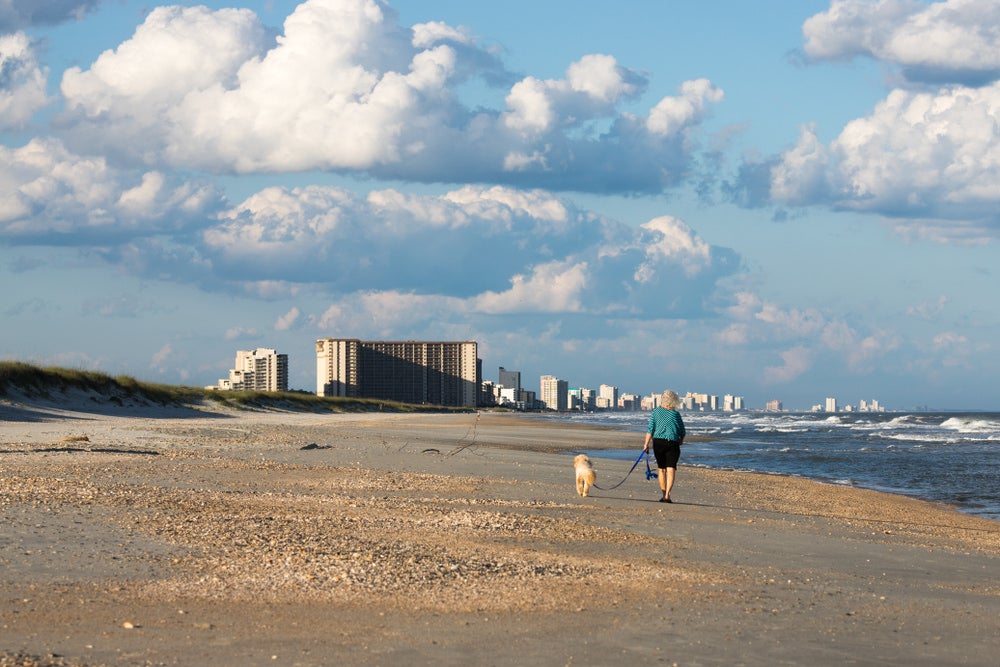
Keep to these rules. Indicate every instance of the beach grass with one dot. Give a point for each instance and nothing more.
(19, 378)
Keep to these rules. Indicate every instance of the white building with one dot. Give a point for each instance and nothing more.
(554, 393)
(262, 369)
(608, 396)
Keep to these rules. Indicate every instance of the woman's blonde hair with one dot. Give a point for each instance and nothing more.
(669, 399)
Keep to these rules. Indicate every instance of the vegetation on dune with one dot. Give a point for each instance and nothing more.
(49, 382)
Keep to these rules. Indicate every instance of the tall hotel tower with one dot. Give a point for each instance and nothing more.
(262, 369)
(436, 373)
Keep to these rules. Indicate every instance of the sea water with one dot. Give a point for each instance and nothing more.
(947, 457)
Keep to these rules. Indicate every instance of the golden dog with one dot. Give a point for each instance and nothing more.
(585, 475)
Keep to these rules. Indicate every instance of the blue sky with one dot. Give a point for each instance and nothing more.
(781, 200)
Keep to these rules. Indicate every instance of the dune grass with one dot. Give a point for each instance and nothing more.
(48, 382)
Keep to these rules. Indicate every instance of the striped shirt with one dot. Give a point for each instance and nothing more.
(666, 424)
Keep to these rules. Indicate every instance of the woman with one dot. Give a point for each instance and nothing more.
(666, 431)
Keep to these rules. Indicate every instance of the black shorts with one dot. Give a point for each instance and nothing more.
(667, 452)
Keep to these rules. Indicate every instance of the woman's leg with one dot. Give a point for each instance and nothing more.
(667, 484)
(661, 475)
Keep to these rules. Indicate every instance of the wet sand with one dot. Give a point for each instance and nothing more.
(239, 538)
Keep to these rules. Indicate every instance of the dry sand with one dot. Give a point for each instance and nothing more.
(199, 538)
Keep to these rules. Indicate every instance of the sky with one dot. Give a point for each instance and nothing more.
(784, 200)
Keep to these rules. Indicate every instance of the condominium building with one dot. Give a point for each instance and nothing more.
(436, 373)
(608, 396)
(510, 379)
(554, 393)
(262, 369)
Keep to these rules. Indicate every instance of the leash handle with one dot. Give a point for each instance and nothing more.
(649, 473)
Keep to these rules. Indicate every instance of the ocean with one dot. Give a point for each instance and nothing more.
(948, 457)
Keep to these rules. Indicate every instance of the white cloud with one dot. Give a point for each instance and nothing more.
(22, 82)
(288, 320)
(956, 38)
(672, 241)
(47, 191)
(801, 176)
(551, 288)
(544, 254)
(236, 333)
(791, 322)
(347, 88)
(593, 86)
(795, 362)
(927, 160)
(673, 114)
(161, 359)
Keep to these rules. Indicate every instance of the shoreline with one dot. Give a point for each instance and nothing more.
(971, 504)
(372, 538)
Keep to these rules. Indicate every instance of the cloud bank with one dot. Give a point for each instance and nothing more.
(927, 158)
(345, 87)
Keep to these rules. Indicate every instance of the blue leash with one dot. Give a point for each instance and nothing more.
(649, 473)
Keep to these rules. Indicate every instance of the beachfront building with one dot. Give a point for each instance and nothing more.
(510, 380)
(418, 372)
(580, 398)
(732, 403)
(831, 404)
(554, 393)
(262, 369)
(628, 402)
(607, 397)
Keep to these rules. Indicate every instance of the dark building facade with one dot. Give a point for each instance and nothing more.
(419, 372)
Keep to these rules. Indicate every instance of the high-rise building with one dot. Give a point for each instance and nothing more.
(831, 404)
(774, 405)
(436, 373)
(732, 403)
(510, 380)
(262, 369)
(609, 394)
(554, 392)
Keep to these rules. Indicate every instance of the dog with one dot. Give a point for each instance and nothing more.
(585, 475)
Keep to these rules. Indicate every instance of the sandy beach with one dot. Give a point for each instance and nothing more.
(186, 537)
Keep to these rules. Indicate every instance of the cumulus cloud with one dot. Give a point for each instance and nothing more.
(926, 159)
(551, 288)
(18, 14)
(48, 192)
(161, 358)
(346, 88)
(929, 160)
(794, 363)
(544, 254)
(813, 335)
(22, 82)
(955, 40)
(672, 240)
(237, 333)
(288, 320)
